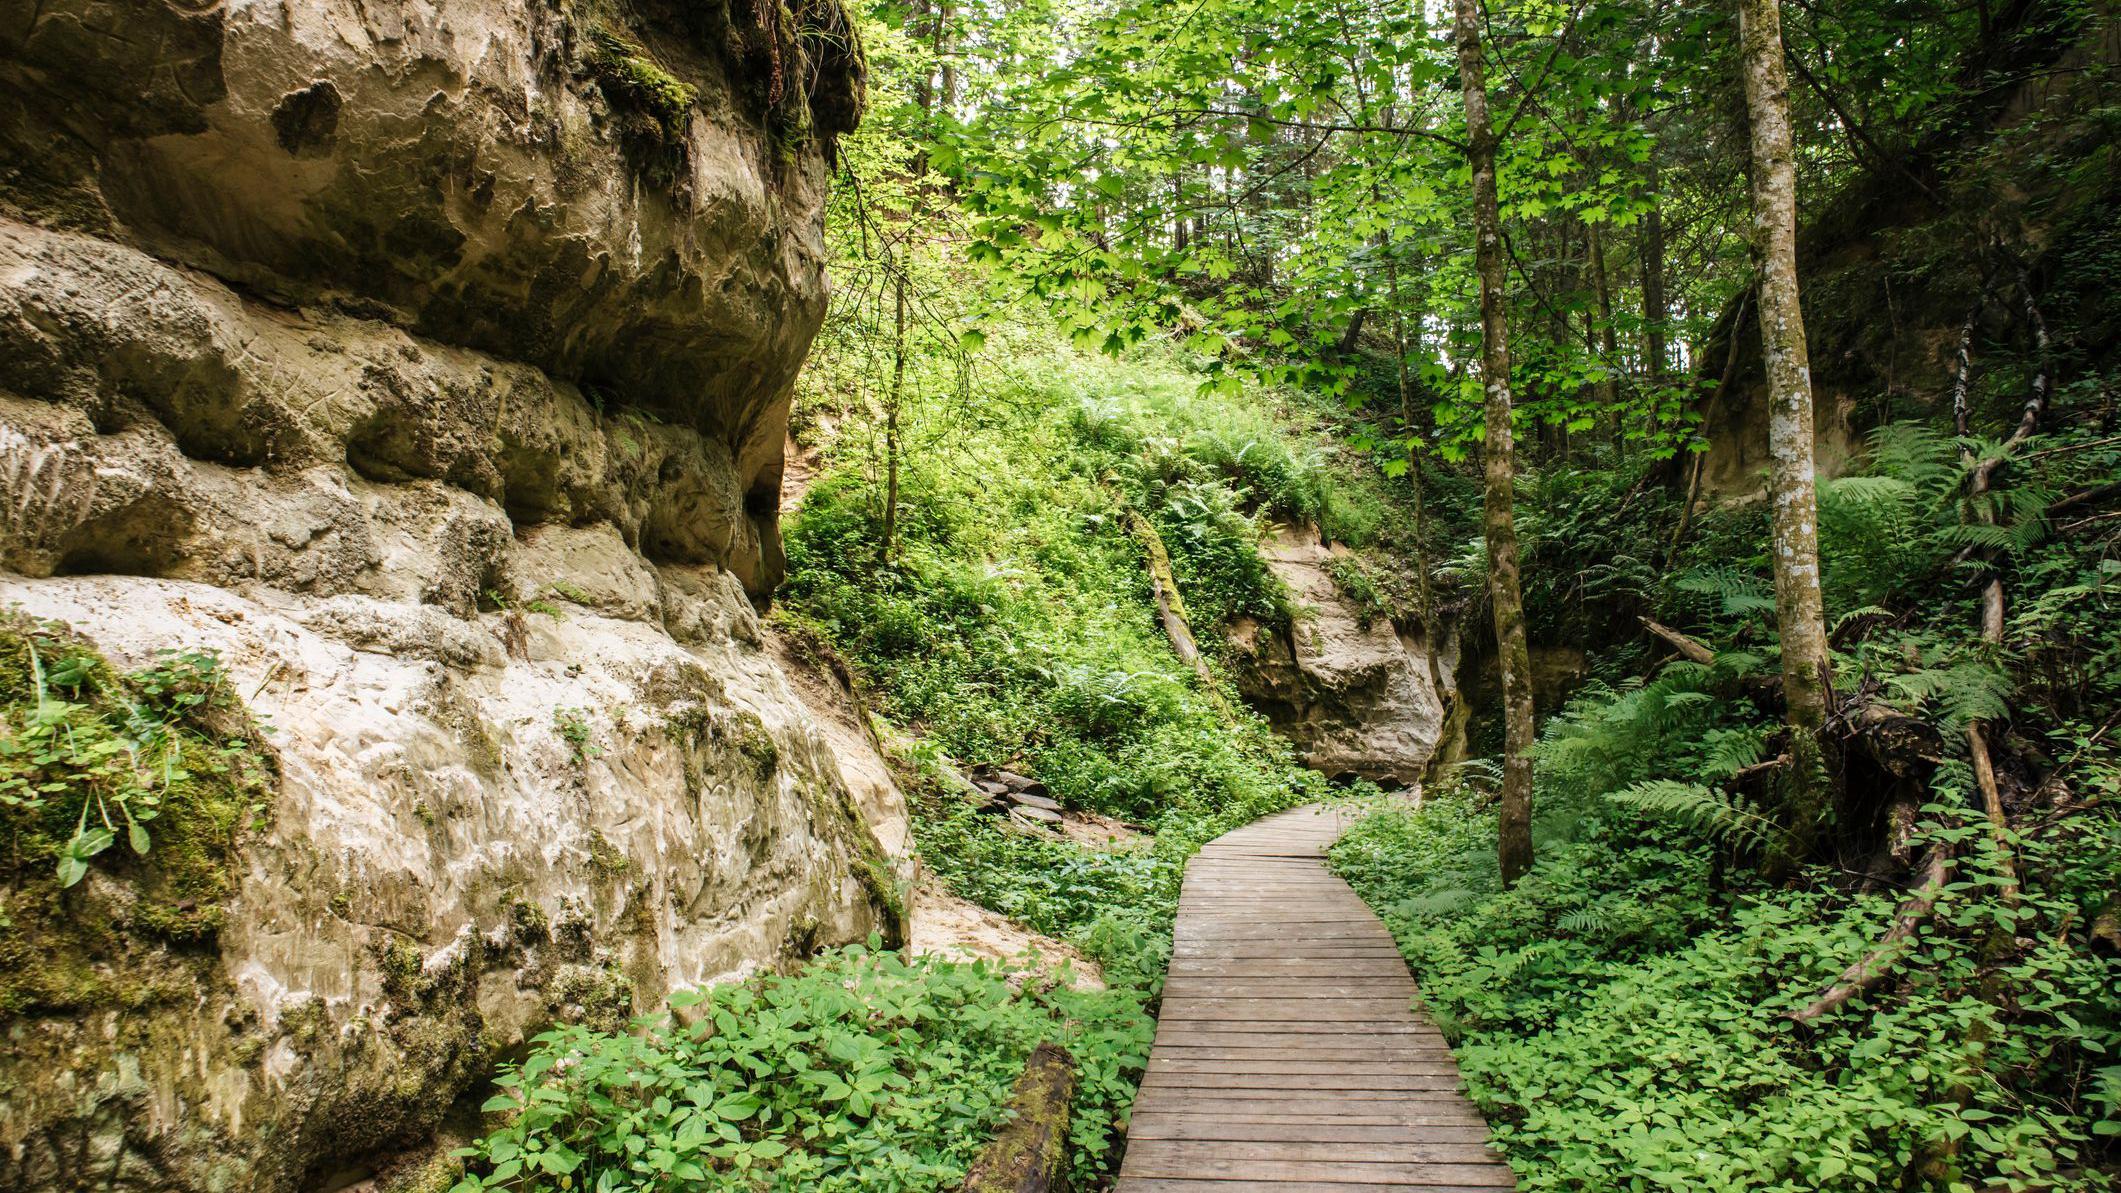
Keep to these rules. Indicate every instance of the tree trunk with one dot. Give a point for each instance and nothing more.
(891, 413)
(945, 14)
(1609, 348)
(1654, 311)
(1030, 1155)
(1170, 606)
(1798, 614)
(1430, 630)
(1513, 653)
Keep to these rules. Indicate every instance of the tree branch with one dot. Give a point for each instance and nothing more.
(1878, 962)
(1694, 651)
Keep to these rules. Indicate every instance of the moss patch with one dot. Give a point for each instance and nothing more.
(122, 797)
(635, 83)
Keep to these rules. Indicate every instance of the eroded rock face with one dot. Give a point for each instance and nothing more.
(433, 369)
(483, 173)
(1354, 694)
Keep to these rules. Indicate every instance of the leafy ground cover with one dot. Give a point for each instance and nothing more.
(1621, 1015)
(865, 1072)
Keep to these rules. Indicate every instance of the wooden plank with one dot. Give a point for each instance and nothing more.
(1440, 1063)
(1291, 1082)
(1315, 1151)
(1475, 1175)
(1240, 1124)
(1214, 1185)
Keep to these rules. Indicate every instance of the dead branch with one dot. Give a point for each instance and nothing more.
(1170, 607)
(2087, 497)
(1868, 972)
(1747, 773)
(2067, 448)
(2081, 523)
(1693, 650)
(1992, 594)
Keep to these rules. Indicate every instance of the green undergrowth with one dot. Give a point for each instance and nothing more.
(1012, 621)
(1618, 1018)
(862, 1073)
(1621, 1014)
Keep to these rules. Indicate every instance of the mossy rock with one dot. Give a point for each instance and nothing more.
(632, 80)
(165, 756)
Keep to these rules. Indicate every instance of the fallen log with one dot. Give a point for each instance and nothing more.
(1879, 961)
(1031, 1153)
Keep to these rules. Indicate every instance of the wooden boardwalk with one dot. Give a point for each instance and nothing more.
(1288, 1056)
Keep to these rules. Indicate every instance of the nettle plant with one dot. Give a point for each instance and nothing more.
(864, 1071)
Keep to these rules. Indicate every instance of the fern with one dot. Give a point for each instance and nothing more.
(1966, 689)
(1721, 815)
(1729, 751)
(1918, 453)
(1738, 593)
(1593, 920)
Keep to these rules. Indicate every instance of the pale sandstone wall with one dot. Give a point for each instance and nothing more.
(388, 349)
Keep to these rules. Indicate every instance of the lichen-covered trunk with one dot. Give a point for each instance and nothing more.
(1798, 614)
(1030, 1155)
(1513, 652)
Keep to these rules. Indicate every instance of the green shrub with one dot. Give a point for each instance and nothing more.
(1618, 1018)
(863, 1072)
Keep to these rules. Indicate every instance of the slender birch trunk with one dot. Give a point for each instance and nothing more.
(1513, 653)
(1798, 613)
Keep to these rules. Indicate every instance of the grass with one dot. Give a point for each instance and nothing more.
(1013, 623)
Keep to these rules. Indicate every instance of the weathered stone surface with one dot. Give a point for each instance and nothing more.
(1356, 698)
(180, 429)
(401, 354)
(461, 170)
(432, 806)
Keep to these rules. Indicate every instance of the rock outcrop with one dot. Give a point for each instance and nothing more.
(1352, 691)
(430, 362)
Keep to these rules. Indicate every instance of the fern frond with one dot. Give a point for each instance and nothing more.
(1855, 615)
(1738, 592)
(1722, 816)
(1916, 452)
(1732, 750)
(1967, 690)
(1978, 537)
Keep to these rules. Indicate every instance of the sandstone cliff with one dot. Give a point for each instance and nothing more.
(1352, 691)
(430, 362)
